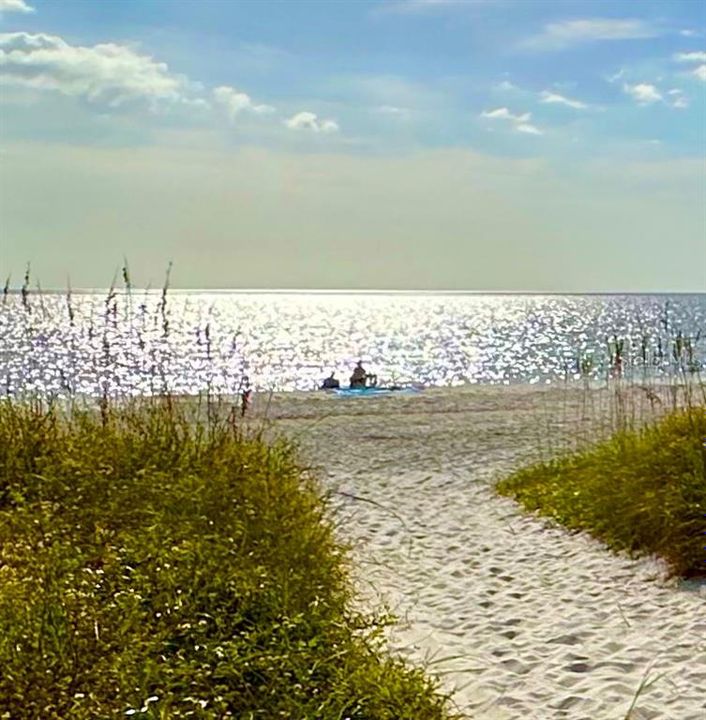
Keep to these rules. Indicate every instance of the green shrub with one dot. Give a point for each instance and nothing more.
(153, 566)
(642, 490)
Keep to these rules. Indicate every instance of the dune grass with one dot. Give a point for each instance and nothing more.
(152, 566)
(642, 490)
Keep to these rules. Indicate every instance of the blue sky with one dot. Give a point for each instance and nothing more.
(582, 99)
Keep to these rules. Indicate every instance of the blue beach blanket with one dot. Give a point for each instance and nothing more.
(374, 391)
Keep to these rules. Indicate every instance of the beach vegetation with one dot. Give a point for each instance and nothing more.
(642, 490)
(156, 561)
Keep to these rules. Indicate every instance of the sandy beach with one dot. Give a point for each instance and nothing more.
(518, 617)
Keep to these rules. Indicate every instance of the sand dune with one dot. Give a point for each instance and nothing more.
(519, 618)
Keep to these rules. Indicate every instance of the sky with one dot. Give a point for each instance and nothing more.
(497, 145)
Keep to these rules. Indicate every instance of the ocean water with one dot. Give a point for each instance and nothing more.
(143, 342)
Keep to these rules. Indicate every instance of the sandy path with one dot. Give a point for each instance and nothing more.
(521, 619)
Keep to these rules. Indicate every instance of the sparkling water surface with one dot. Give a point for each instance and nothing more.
(190, 342)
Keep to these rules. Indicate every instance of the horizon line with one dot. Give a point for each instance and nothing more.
(347, 291)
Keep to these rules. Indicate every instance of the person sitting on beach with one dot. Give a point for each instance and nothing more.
(330, 383)
(359, 376)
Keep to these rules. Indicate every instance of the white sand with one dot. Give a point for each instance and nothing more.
(520, 618)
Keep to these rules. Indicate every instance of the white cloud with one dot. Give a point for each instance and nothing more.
(678, 99)
(616, 76)
(688, 33)
(559, 35)
(503, 113)
(505, 85)
(556, 99)
(236, 102)
(520, 122)
(697, 56)
(15, 6)
(108, 72)
(310, 121)
(643, 93)
(529, 129)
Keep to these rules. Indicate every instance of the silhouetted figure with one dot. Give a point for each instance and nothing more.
(359, 376)
(331, 383)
